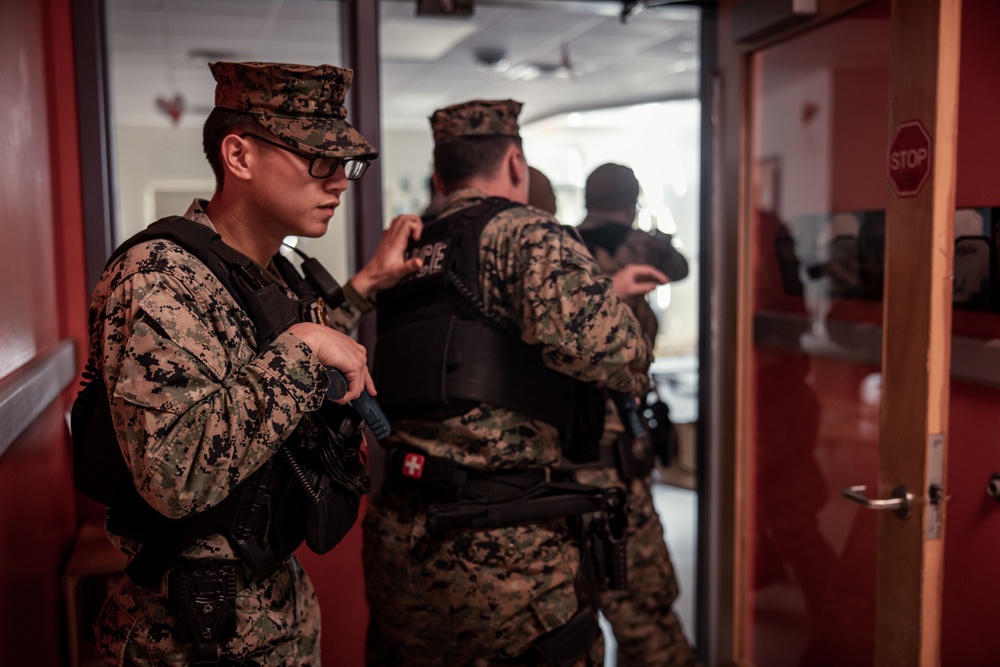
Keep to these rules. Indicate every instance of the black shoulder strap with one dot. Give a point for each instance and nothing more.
(473, 221)
(449, 248)
(200, 240)
(267, 305)
(479, 213)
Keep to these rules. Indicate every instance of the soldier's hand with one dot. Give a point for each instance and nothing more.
(389, 265)
(634, 279)
(339, 351)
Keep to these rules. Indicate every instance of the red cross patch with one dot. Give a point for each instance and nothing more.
(413, 465)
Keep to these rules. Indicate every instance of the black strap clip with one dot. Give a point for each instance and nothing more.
(205, 595)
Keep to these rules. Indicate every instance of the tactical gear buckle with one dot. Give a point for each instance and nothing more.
(205, 595)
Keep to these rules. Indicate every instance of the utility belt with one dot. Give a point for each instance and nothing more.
(632, 457)
(245, 577)
(479, 500)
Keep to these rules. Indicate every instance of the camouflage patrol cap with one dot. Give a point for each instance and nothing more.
(301, 104)
(611, 186)
(476, 118)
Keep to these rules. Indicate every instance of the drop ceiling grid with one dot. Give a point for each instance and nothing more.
(611, 62)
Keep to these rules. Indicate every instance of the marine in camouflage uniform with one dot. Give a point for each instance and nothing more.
(483, 597)
(197, 403)
(645, 626)
(611, 193)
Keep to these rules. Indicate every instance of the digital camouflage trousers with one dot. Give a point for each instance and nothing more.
(277, 624)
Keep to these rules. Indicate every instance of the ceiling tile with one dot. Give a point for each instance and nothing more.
(421, 40)
(428, 62)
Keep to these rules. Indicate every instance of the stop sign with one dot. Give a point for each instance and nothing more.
(909, 158)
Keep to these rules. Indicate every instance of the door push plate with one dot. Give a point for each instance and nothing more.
(935, 487)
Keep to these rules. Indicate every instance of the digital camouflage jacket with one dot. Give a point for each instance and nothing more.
(474, 594)
(537, 274)
(196, 405)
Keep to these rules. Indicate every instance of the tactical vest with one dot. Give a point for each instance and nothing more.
(440, 352)
(309, 491)
(609, 236)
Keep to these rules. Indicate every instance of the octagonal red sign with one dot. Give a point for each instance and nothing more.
(909, 158)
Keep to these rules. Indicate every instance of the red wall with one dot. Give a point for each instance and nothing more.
(42, 302)
(972, 531)
(815, 435)
(978, 180)
(792, 390)
(42, 257)
(340, 587)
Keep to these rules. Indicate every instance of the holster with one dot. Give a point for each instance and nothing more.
(634, 448)
(205, 597)
(608, 541)
(564, 645)
(493, 499)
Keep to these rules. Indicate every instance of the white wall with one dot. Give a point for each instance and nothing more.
(661, 144)
(151, 160)
(407, 162)
(802, 191)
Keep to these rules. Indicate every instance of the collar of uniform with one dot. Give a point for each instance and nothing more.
(461, 198)
(196, 212)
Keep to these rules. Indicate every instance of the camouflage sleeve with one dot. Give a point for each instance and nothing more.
(196, 409)
(345, 317)
(560, 300)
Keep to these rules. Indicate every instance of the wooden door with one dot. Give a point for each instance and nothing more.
(852, 149)
(916, 364)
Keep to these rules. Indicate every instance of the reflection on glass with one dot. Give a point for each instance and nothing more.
(819, 112)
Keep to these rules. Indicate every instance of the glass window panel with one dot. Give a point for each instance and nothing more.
(162, 91)
(820, 104)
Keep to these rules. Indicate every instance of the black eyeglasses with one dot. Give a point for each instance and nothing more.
(321, 166)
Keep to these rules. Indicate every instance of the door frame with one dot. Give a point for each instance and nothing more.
(923, 85)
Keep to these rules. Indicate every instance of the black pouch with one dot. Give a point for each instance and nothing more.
(338, 476)
(661, 428)
(329, 520)
(582, 435)
(266, 525)
(563, 646)
(99, 470)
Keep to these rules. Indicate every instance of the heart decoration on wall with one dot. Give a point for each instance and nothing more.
(174, 108)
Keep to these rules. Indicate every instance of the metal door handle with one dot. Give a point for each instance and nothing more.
(993, 487)
(901, 501)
